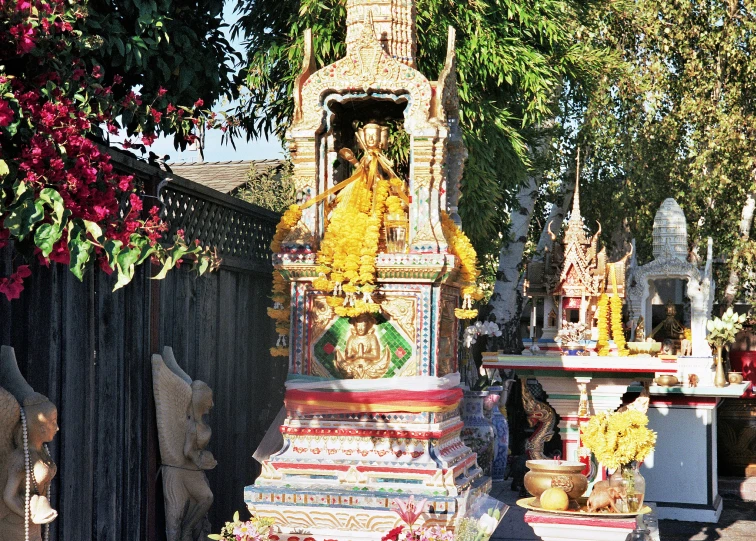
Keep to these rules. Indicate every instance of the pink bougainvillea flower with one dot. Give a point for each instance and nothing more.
(25, 36)
(162, 91)
(12, 286)
(6, 113)
(136, 202)
(199, 103)
(148, 139)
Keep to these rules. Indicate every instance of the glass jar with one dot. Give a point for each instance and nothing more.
(633, 487)
(396, 227)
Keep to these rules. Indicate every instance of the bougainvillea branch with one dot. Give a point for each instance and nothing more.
(60, 198)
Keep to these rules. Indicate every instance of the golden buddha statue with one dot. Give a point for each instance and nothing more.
(362, 357)
(670, 327)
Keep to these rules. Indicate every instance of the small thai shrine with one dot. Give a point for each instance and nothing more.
(569, 278)
(372, 275)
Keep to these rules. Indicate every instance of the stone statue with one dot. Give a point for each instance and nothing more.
(362, 357)
(181, 405)
(28, 421)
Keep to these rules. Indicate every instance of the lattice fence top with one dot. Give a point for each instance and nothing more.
(235, 228)
(239, 231)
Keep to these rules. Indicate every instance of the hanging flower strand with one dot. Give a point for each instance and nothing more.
(461, 247)
(281, 295)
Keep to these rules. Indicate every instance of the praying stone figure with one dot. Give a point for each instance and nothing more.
(181, 405)
(28, 421)
(362, 357)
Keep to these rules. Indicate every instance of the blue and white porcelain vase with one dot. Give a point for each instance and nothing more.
(501, 427)
(478, 433)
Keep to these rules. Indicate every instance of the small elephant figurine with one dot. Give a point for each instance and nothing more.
(686, 347)
(604, 496)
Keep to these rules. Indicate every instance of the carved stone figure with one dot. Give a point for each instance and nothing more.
(28, 421)
(181, 405)
(362, 357)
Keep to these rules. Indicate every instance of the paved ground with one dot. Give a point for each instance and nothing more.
(738, 522)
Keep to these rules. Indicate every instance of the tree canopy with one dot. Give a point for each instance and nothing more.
(677, 121)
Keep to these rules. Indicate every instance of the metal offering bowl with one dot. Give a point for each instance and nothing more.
(564, 474)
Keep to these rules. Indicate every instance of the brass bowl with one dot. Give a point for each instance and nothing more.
(644, 348)
(563, 474)
(666, 380)
(735, 377)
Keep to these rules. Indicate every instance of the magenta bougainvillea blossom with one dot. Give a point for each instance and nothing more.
(61, 198)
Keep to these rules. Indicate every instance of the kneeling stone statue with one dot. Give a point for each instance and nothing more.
(181, 405)
(28, 421)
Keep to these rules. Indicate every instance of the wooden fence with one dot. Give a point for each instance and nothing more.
(88, 349)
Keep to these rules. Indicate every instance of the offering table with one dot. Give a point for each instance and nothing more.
(681, 475)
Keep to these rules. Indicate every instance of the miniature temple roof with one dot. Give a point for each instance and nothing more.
(577, 267)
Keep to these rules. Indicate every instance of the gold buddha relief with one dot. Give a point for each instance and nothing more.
(362, 357)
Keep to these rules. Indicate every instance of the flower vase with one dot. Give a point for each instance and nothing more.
(720, 380)
(501, 427)
(628, 476)
(478, 433)
(572, 348)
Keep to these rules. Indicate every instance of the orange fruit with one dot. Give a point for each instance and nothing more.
(555, 499)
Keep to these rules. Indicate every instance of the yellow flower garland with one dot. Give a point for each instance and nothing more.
(618, 331)
(281, 294)
(461, 247)
(603, 325)
(350, 243)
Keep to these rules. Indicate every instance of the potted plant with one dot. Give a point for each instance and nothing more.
(722, 333)
(569, 337)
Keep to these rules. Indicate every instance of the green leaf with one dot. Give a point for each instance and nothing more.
(93, 229)
(4, 170)
(125, 266)
(80, 250)
(22, 219)
(46, 236)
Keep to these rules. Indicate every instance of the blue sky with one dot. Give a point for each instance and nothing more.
(260, 149)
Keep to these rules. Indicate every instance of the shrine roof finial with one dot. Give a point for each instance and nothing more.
(393, 24)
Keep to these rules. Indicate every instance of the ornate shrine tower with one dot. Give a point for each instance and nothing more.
(571, 276)
(372, 400)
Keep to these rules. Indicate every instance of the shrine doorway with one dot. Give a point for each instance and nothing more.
(668, 308)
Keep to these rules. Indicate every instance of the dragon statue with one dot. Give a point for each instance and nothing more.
(541, 414)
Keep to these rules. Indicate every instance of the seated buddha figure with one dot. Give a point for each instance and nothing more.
(362, 357)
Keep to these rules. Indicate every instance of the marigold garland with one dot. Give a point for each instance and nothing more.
(618, 331)
(350, 245)
(281, 293)
(461, 247)
(603, 325)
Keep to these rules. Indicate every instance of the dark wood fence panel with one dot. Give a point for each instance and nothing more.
(89, 350)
